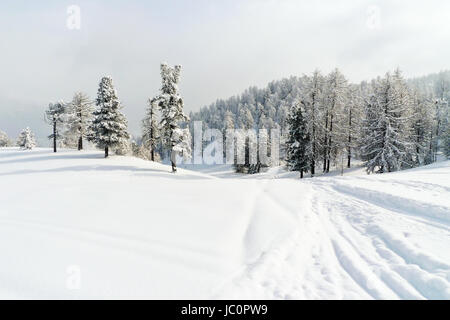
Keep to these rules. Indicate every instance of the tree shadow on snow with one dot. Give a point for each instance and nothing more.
(145, 172)
(52, 156)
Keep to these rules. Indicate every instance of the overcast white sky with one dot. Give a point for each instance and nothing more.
(224, 46)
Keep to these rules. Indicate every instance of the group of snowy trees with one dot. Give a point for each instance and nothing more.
(78, 120)
(322, 123)
(25, 140)
(107, 128)
(389, 123)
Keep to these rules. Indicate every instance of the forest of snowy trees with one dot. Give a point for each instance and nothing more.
(390, 123)
(325, 121)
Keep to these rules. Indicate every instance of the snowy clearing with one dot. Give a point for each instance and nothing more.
(76, 225)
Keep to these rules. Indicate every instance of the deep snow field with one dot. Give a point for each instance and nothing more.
(76, 225)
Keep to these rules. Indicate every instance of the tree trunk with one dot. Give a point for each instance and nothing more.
(80, 143)
(329, 143)
(152, 141)
(301, 173)
(313, 160)
(54, 136)
(106, 152)
(325, 148)
(173, 160)
(349, 150)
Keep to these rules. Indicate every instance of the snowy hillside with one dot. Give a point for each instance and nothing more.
(76, 225)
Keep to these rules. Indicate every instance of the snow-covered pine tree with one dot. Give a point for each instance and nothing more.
(446, 142)
(312, 100)
(150, 130)
(441, 112)
(26, 139)
(405, 109)
(109, 126)
(265, 144)
(386, 142)
(171, 104)
(228, 126)
(79, 117)
(335, 100)
(245, 123)
(4, 140)
(298, 140)
(54, 115)
(245, 120)
(352, 116)
(423, 126)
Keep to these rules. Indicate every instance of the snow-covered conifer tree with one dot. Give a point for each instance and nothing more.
(386, 142)
(246, 124)
(171, 105)
(298, 140)
(79, 117)
(228, 126)
(55, 117)
(312, 100)
(446, 143)
(245, 120)
(423, 126)
(150, 129)
(4, 140)
(26, 139)
(351, 122)
(335, 101)
(109, 126)
(441, 112)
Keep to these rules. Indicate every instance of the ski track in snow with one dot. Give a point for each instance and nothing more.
(274, 237)
(353, 250)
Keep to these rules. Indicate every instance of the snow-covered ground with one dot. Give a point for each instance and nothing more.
(76, 225)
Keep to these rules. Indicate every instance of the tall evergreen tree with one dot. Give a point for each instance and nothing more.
(228, 126)
(422, 126)
(446, 142)
(335, 100)
(351, 124)
(312, 100)
(150, 129)
(298, 140)
(109, 126)
(171, 104)
(246, 123)
(26, 139)
(4, 140)
(79, 117)
(55, 117)
(386, 143)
